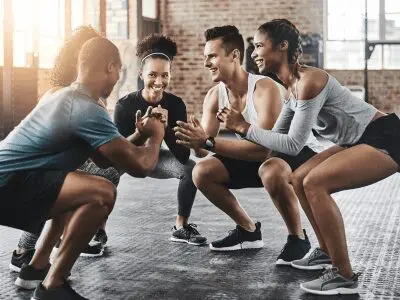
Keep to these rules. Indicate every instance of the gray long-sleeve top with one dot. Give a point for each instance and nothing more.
(335, 113)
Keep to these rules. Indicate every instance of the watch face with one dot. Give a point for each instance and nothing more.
(209, 143)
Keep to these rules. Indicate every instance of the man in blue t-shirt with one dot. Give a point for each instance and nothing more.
(39, 158)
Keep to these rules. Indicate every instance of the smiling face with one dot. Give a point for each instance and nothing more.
(266, 55)
(156, 74)
(217, 61)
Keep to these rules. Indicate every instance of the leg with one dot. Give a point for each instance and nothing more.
(297, 183)
(210, 176)
(214, 176)
(101, 237)
(24, 251)
(91, 199)
(275, 174)
(27, 241)
(169, 167)
(348, 169)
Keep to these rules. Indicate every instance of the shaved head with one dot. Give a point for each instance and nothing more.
(97, 53)
(99, 66)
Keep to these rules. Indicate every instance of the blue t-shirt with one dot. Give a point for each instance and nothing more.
(59, 134)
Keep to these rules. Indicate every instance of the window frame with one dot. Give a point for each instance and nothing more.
(381, 34)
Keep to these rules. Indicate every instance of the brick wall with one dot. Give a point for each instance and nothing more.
(185, 21)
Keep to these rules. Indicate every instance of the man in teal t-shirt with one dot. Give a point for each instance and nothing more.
(39, 158)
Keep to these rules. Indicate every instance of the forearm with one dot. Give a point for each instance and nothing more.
(144, 159)
(240, 149)
(100, 161)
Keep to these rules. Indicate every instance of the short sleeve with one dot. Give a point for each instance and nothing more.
(93, 124)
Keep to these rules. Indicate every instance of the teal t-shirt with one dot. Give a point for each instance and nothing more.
(59, 134)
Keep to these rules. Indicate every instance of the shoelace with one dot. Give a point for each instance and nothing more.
(236, 232)
(191, 228)
(329, 274)
(314, 254)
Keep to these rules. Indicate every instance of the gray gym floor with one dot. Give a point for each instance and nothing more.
(141, 262)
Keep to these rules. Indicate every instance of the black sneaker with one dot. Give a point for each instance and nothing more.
(238, 239)
(188, 234)
(29, 277)
(294, 249)
(63, 292)
(101, 237)
(94, 249)
(17, 260)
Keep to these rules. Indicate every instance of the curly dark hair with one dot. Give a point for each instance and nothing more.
(230, 36)
(156, 43)
(280, 30)
(64, 71)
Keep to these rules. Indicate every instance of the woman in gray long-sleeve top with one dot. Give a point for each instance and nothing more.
(367, 147)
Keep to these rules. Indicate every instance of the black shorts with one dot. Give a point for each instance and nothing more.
(244, 174)
(27, 198)
(384, 133)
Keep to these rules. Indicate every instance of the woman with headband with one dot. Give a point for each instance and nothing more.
(156, 53)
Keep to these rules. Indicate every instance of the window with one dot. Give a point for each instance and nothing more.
(77, 13)
(51, 30)
(117, 19)
(345, 34)
(149, 9)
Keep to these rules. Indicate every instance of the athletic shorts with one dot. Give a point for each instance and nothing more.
(28, 197)
(244, 174)
(384, 133)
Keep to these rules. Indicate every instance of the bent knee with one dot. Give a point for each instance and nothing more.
(188, 168)
(314, 184)
(106, 194)
(274, 172)
(206, 171)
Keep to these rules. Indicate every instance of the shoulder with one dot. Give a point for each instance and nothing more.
(174, 99)
(212, 94)
(211, 98)
(128, 99)
(312, 82)
(266, 88)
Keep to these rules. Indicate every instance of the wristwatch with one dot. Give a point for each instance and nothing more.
(209, 143)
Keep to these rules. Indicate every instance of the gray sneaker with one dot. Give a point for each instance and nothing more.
(317, 260)
(332, 283)
(188, 234)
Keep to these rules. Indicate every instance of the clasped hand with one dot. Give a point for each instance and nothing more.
(233, 120)
(191, 134)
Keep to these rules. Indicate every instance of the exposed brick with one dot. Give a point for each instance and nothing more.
(185, 21)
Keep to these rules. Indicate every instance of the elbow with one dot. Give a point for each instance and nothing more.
(140, 172)
(294, 150)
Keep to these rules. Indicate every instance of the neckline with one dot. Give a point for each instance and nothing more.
(150, 103)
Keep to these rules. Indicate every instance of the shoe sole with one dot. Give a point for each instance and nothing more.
(14, 268)
(311, 268)
(281, 262)
(92, 255)
(338, 291)
(186, 241)
(243, 246)
(27, 284)
(55, 250)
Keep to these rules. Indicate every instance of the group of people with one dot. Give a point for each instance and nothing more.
(63, 162)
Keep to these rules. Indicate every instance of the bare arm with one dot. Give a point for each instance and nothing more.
(209, 121)
(137, 161)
